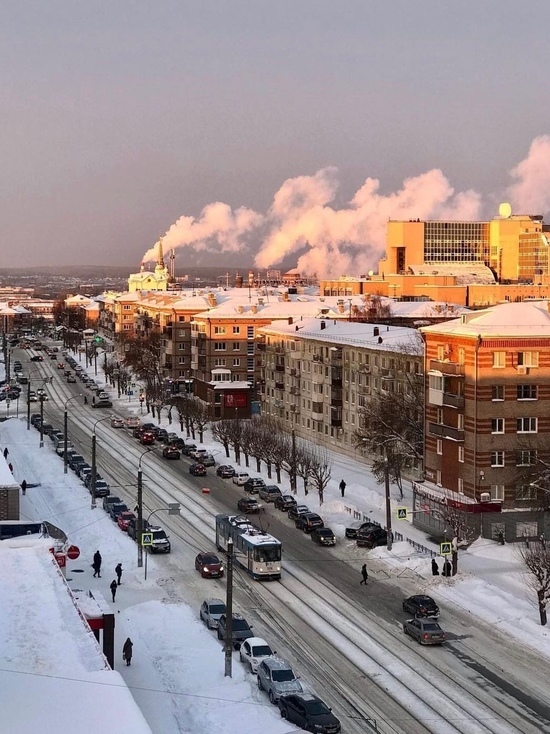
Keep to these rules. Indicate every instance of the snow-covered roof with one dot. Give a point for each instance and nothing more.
(526, 319)
(6, 477)
(465, 273)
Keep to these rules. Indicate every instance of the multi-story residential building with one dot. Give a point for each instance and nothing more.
(319, 373)
(486, 423)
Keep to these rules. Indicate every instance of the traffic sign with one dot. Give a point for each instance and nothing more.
(402, 513)
(446, 548)
(146, 539)
(73, 552)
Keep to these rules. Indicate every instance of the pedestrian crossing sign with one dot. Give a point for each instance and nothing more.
(402, 513)
(146, 539)
(445, 549)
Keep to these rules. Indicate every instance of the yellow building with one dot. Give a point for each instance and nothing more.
(147, 280)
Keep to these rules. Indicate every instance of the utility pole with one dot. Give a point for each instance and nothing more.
(65, 431)
(293, 463)
(388, 503)
(140, 516)
(41, 421)
(94, 470)
(229, 611)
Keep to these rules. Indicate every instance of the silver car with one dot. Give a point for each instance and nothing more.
(424, 631)
(210, 612)
(277, 678)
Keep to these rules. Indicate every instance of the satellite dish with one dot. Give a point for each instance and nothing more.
(371, 273)
(505, 210)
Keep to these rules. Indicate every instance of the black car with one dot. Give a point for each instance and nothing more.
(421, 606)
(285, 502)
(187, 447)
(297, 510)
(37, 358)
(177, 443)
(248, 505)
(225, 471)
(115, 508)
(76, 460)
(240, 629)
(101, 488)
(197, 470)
(109, 501)
(309, 712)
(323, 536)
(307, 521)
(356, 527)
(35, 418)
(132, 527)
(162, 435)
(252, 485)
(372, 538)
(171, 452)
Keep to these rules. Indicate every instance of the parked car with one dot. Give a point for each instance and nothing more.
(197, 470)
(162, 435)
(103, 396)
(225, 471)
(117, 422)
(32, 397)
(297, 510)
(277, 679)
(356, 527)
(207, 460)
(171, 437)
(253, 651)
(171, 452)
(240, 477)
(372, 538)
(421, 606)
(137, 431)
(210, 612)
(196, 453)
(115, 508)
(253, 484)
(160, 543)
(82, 470)
(177, 443)
(309, 520)
(284, 502)
(71, 378)
(75, 460)
(309, 712)
(101, 488)
(248, 505)
(147, 438)
(132, 422)
(102, 404)
(424, 631)
(209, 565)
(132, 527)
(124, 518)
(269, 493)
(187, 447)
(323, 536)
(107, 501)
(240, 629)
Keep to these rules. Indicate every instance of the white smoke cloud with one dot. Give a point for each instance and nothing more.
(330, 242)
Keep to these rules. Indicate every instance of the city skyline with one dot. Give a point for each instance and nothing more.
(282, 129)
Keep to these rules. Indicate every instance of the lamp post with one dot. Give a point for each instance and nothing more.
(66, 430)
(41, 397)
(388, 502)
(93, 473)
(228, 642)
(293, 463)
(140, 507)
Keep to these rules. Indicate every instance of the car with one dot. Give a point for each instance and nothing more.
(78, 368)
(210, 612)
(60, 366)
(372, 538)
(115, 508)
(75, 460)
(171, 452)
(107, 501)
(162, 435)
(132, 421)
(323, 536)
(103, 396)
(297, 510)
(197, 470)
(148, 426)
(159, 540)
(355, 527)
(240, 629)
(207, 460)
(309, 712)
(46, 428)
(147, 438)
(101, 488)
(424, 631)
(83, 469)
(240, 477)
(57, 436)
(133, 525)
(60, 449)
(32, 397)
(67, 373)
(71, 378)
(177, 443)
(42, 394)
(284, 502)
(209, 565)
(102, 404)
(124, 518)
(269, 493)
(187, 447)
(253, 651)
(53, 356)
(225, 471)
(137, 431)
(277, 678)
(253, 485)
(421, 605)
(196, 453)
(88, 480)
(248, 505)
(116, 422)
(309, 520)
(37, 358)
(171, 436)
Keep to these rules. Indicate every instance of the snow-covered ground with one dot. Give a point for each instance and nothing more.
(177, 674)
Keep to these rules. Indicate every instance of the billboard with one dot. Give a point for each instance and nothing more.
(235, 400)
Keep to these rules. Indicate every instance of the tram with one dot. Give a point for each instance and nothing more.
(255, 550)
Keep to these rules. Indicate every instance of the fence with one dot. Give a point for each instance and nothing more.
(357, 515)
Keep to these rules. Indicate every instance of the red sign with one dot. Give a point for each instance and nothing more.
(73, 552)
(235, 400)
(61, 559)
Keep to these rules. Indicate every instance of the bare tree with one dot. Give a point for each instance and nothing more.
(198, 416)
(321, 471)
(376, 310)
(221, 432)
(536, 556)
(304, 464)
(458, 525)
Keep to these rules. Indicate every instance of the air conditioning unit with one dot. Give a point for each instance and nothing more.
(522, 370)
(485, 497)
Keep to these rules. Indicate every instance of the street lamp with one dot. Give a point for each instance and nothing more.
(66, 430)
(93, 473)
(140, 506)
(41, 398)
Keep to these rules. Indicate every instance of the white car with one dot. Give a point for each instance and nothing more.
(103, 396)
(117, 422)
(253, 651)
(132, 422)
(240, 478)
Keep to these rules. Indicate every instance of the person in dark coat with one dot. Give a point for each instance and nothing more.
(113, 586)
(364, 574)
(96, 565)
(118, 571)
(10, 466)
(127, 651)
(6, 452)
(24, 486)
(447, 570)
(342, 487)
(435, 568)
(85, 400)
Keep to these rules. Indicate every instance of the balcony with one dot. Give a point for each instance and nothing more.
(261, 346)
(447, 368)
(336, 422)
(453, 401)
(280, 366)
(442, 431)
(317, 408)
(294, 372)
(336, 356)
(279, 386)
(294, 390)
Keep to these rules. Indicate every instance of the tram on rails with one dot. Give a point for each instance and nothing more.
(254, 550)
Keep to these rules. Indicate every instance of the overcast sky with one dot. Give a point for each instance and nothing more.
(118, 118)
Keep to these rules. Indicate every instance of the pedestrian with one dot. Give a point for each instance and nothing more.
(447, 570)
(93, 401)
(85, 400)
(10, 467)
(24, 487)
(127, 651)
(6, 452)
(342, 487)
(96, 565)
(118, 571)
(364, 574)
(113, 586)
(435, 568)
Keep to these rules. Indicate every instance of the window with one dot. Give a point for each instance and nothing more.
(528, 359)
(219, 346)
(460, 485)
(526, 458)
(219, 330)
(181, 319)
(436, 382)
(250, 364)
(236, 362)
(497, 392)
(460, 419)
(250, 332)
(219, 362)
(236, 329)
(497, 458)
(440, 416)
(497, 492)
(439, 446)
(526, 425)
(527, 392)
(497, 425)
(526, 492)
(499, 359)
(461, 454)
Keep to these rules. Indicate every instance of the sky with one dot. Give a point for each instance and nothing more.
(176, 677)
(120, 119)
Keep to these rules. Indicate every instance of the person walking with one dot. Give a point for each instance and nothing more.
(10, 466)
(127, 651)
(24, 487)
(342, 487)
(364, 574)
(6, 452)
(113, 586)
(447, 570)
(435, 568)
(118, 571)
(96, 565)
(85, 400)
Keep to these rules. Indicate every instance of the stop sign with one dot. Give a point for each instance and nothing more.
(73, 552)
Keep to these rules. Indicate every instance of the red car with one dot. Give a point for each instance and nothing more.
(197, 470)
(209, 565)
(124, 519)
(147, 438)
